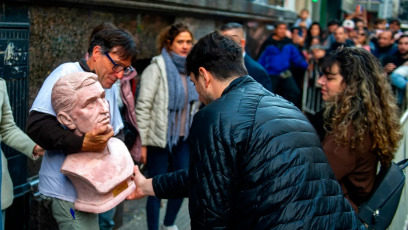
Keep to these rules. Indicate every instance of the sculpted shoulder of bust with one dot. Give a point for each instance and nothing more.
(102, 179)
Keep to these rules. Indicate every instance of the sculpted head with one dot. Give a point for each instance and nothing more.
(79, 101)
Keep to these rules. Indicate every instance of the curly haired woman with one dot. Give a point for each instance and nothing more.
(360, 120)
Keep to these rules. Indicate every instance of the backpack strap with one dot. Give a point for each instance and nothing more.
(402, 164)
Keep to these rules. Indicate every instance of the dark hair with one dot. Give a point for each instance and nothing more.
(278, 23)
(309, 37)
(395, 21)
(110, 38)
(219, 55)
(402, 36)
(367, 103)
(388, 31)
(103, 26)
(232, 25)
(357, 20)
(170, 33)
(333, 22)
(379, 21)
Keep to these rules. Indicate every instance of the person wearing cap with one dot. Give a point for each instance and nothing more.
(349, 26)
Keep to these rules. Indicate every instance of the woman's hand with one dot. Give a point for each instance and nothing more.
(37, 152)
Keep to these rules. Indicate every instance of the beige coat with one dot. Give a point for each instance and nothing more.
(12, 136)
(152, 104)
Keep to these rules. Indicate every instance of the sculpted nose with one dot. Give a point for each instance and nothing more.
(104, 105)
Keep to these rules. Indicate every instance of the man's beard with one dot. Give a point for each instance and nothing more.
(403, 54)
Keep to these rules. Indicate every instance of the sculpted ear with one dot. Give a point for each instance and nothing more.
(65, 119)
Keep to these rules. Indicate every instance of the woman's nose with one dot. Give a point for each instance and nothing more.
(321, 80)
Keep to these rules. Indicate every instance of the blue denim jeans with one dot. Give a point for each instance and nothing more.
(161, 161)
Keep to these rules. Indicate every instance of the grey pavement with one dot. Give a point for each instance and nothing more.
(134, 215)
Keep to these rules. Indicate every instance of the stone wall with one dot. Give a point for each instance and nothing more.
(60, 34)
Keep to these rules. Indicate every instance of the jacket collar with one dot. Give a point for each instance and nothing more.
(85, 66)
(237, 83)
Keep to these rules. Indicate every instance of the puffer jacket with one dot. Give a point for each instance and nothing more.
(152, 103)
(257, 163)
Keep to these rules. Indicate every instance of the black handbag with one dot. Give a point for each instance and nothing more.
(379, 210)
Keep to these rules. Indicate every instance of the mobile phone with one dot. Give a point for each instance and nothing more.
(359, 8)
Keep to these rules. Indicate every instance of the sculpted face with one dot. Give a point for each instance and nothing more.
(79, 102)
(91, 109)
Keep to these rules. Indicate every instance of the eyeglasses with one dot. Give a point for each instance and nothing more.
(117, 68)
(363, 34)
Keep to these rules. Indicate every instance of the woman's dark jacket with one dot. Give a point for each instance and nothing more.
(256, 163)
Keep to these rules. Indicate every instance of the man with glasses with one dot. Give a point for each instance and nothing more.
(111, 52)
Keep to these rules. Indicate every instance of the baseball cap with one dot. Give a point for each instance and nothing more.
(348, 24)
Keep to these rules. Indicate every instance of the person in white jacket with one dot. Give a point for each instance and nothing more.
(165, 107)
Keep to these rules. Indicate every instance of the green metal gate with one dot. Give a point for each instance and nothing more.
(14, 45)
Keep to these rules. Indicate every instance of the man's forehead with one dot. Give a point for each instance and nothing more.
(234, 32)
(386, 34)
(403, 41)
(115, 53)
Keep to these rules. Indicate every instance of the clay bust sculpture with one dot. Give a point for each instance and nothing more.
(101, 179)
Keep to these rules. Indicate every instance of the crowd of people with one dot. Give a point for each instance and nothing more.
(226, 130)
(291, 55)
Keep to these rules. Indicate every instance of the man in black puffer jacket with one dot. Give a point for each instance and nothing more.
(256, 162)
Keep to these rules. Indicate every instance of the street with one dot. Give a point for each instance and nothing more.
(134, 215)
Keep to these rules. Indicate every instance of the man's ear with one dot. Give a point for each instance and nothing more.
(207, 76)
(243, 42)
(97, 52)
(65, 119)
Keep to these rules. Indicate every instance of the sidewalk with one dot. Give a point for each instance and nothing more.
(134, 215)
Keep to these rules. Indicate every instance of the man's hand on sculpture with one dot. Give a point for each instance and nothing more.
(97, 139)
(144, 187)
